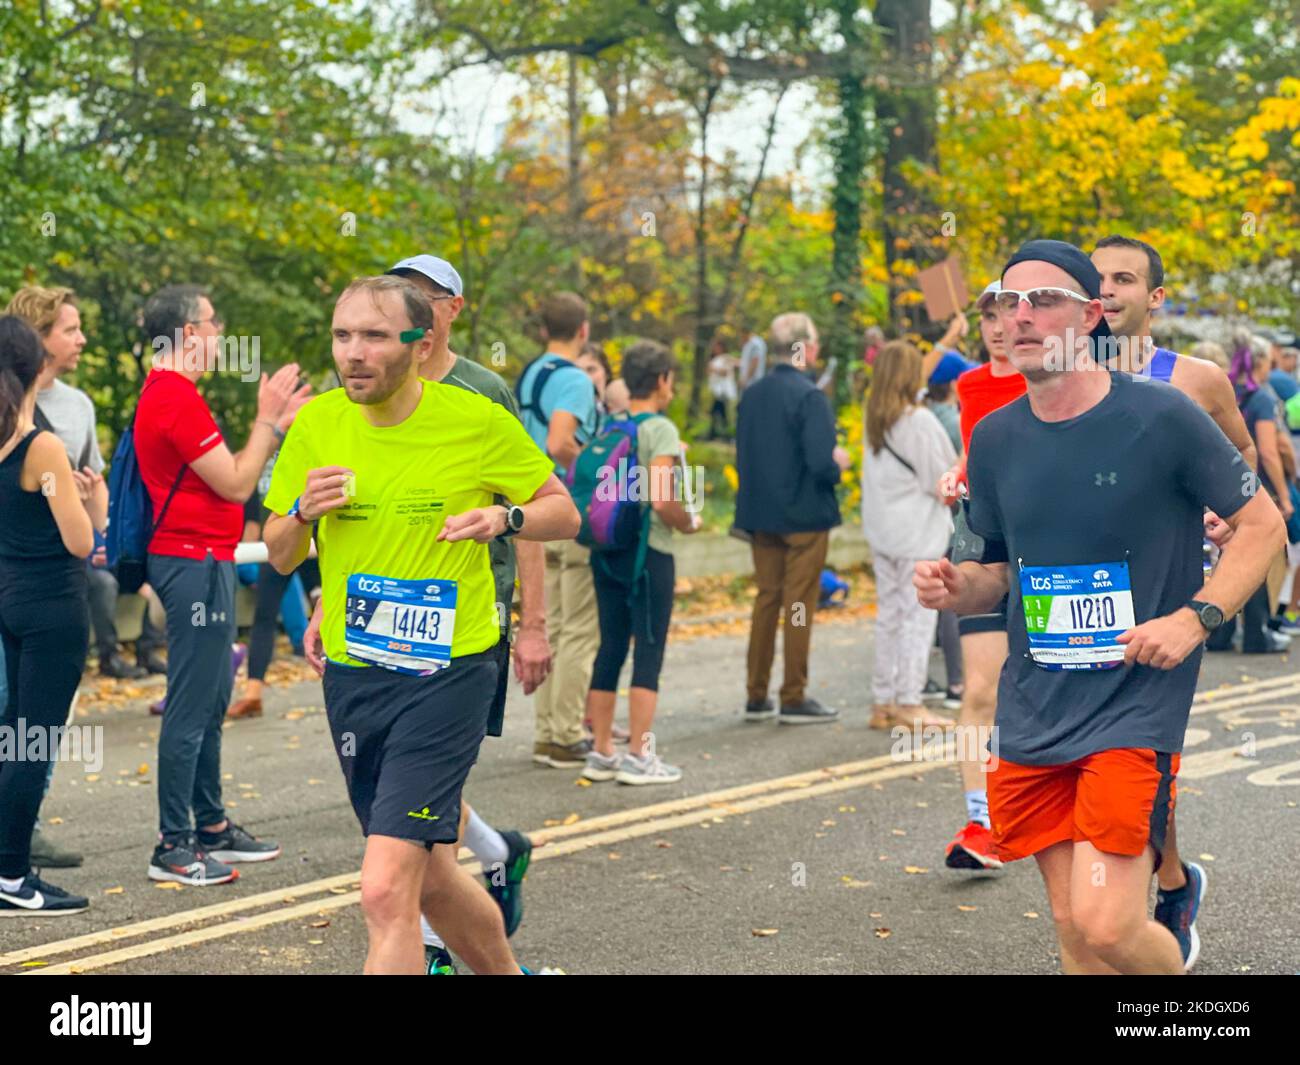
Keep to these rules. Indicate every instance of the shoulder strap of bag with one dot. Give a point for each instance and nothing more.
(910, 468)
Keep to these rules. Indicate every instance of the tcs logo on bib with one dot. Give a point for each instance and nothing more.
(365, 585)
(1040, 584)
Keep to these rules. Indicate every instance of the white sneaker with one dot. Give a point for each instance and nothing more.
(600, 767)
(651, 770)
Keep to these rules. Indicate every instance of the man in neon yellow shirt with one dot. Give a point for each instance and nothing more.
(400, 475)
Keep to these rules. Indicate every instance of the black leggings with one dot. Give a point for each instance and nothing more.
(45, 652)
(643, 613)
(261, 639)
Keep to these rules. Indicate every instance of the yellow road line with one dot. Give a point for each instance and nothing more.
(605, 829)
(161, 924)
(540, 838)
(555, 850)
(1249, 699)
(1227, 759)
(1212, 694)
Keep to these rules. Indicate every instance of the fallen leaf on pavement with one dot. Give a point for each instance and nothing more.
(319, 924)
(662, 843)
(883, 933)
(583, 782)
(897, 832)
(877, 915)
(142, 769)
(849, 882)
(968, 909)
(572, 819)
(763, 931)
(115, 890)
(550, 822)
(338, 891)
(828, 823)
(315, 942)
(914, 869)
(1206, 857)
(169, 885)
(1031, 914)
(614, 856)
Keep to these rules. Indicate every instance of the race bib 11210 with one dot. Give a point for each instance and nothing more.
(1074, 613)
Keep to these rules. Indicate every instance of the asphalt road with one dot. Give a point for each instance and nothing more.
(783, 850)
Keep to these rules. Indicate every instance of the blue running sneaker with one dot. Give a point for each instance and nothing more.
(36, 898)
(1177, 911)
(438, 962)
(505, 882)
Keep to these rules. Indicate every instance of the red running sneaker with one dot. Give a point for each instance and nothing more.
(972, 848)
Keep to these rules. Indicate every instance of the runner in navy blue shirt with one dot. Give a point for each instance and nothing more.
(1089, 494)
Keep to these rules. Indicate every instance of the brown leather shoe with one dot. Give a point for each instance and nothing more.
(882, 716)
(246, 708)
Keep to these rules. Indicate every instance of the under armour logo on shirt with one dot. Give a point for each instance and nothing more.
(1105, 478)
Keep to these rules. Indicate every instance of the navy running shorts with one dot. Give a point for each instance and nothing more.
(406, 744)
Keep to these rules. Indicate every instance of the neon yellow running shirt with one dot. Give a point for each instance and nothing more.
(454, 452)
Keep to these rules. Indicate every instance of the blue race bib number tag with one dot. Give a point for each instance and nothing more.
(406, 626)
(1074, 613)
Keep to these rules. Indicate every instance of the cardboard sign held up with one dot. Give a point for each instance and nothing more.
(944, 289)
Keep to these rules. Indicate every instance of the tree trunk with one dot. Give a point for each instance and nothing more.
(906, 116)
(575, 179)
(841, 340)
(704, 310)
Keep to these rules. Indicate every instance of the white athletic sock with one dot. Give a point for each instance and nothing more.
(977, 807)
(431, 938)
(11, 885)
(488, 845)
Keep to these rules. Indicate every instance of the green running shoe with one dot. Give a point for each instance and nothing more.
(505, 880)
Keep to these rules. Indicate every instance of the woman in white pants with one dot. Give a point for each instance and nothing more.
(905, 453)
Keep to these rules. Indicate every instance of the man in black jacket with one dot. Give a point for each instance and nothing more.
(788, 466)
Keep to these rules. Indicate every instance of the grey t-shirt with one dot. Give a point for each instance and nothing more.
(753, 360)
(1124, 482)
(655, 438)
(72, 416)
(481, 381)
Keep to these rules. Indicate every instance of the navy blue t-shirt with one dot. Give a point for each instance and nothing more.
(1260, 405)
(1124, 482)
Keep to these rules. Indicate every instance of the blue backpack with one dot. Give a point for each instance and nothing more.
(533, 402)
(130, 514)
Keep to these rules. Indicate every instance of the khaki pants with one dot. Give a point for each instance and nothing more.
(574, 629)
(1275, 579)
(787, 570)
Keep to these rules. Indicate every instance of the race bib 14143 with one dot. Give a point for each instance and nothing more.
(404, 625)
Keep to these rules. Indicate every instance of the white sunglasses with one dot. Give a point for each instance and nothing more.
(1047, 298)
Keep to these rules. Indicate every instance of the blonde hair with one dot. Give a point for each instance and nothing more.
(40, 307)
(1211, 352)
(895, 384)
(789, 330)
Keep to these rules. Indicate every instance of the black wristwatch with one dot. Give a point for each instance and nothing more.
(514, 521)
(1210, 616)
